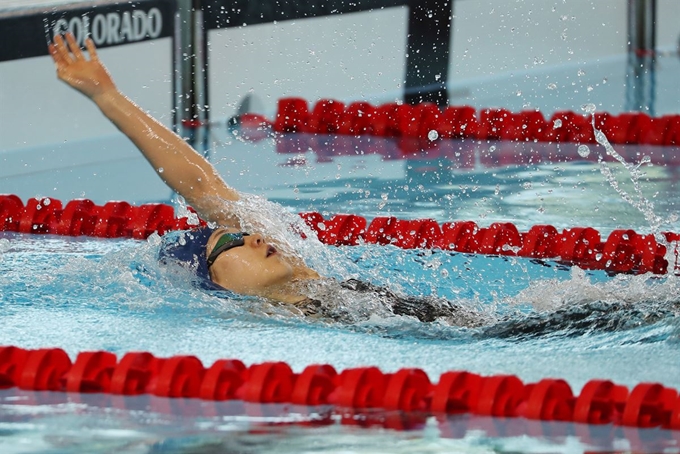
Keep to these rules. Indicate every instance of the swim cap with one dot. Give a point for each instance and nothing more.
(188, 249)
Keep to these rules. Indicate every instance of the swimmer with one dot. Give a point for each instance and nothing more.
(223, 257)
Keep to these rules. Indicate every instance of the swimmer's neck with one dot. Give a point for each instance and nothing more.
(291, 292)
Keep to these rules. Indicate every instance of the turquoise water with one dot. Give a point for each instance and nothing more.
(91, 294)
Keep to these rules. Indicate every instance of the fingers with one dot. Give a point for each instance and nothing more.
(59, 53)
(74, 47)
(89, 44)
(63, 56)
(64, 53)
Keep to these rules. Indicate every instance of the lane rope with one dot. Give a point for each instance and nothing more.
(427, 121)
(622, 251)
(408, 390)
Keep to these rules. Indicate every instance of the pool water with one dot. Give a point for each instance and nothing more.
(91, 294)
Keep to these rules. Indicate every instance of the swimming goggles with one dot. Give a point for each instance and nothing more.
(226, 242)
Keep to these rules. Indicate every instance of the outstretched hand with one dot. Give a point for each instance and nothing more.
(89, 77)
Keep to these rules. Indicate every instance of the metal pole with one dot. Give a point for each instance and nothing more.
(190, 73)
(641, 78)
(641, 26)
(427, 51)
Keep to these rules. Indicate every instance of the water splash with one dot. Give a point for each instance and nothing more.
(289, 233)
(637, 200)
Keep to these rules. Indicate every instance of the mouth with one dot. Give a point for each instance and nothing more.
(271, 250)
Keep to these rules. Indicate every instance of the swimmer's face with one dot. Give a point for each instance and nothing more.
(252, 268)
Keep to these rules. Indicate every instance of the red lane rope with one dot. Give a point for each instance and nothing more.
(408, 390)
(623, 251)
(329, 116)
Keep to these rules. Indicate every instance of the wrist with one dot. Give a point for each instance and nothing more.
(107, 98)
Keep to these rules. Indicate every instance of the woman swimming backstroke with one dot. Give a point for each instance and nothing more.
(243, 263)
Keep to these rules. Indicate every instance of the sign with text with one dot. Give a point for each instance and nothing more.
(107, 25)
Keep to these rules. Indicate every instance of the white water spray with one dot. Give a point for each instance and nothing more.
(636, 200)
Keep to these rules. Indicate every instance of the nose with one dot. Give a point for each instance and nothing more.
(256, 240)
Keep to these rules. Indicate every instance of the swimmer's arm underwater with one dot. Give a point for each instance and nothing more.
(175, 162)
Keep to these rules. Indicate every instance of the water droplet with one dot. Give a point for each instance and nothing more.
(583, 151)
(557, 124)
(519, 93)
(47, 201)
(581, 73)
(492, 148)
(527, 185)
(161, 170)
(552, 86)
(588, 108)
(433, 135)
(590, 88)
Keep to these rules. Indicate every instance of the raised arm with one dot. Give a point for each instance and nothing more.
(176, 163)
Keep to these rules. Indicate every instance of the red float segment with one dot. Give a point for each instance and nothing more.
(579, 245)
(497, 124)
(361, 387)
(11, 209)
(459, 122)
(39, 215)
(314, 385)
(134, 372)
(178, 376)
(549, 400)
(380, 230)
(147, 219)
(270, 382)
(532, 126)
(456, 392)
(222, 380)
(340, 230)
(597, 403)
(407, 390)
(112, 219)
(358, 119)
(91, 373)
(78, 218)
(458, 236)
(499, 238)
(326, 117)
(44, 370)
(541, 241)
(292, 115)
(649, 405)
(12, 361)
(500, 395)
